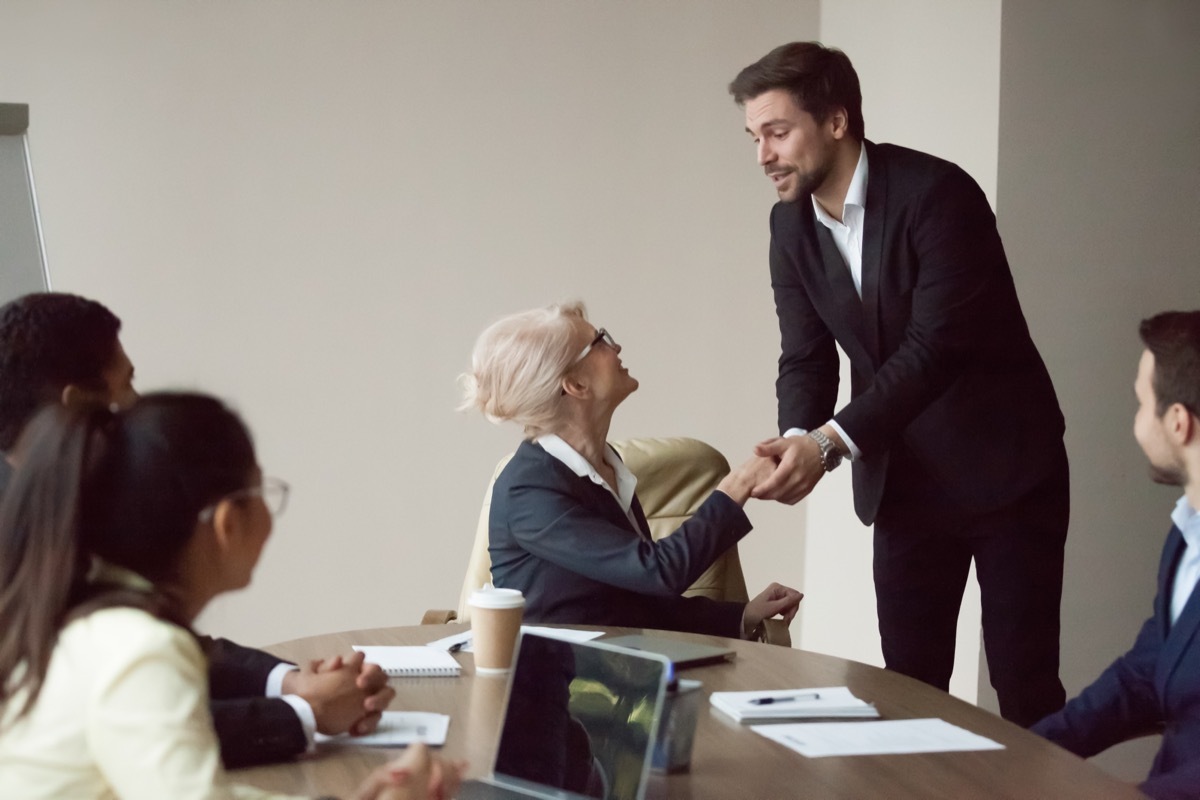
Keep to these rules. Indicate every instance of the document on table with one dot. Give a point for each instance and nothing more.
(456, 642)
(397, 729)
(817, 739)
(827, 702)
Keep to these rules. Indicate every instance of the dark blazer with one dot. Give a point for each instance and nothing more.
(1155, 687)
(942, 360)
(566, 544)
(252, 729)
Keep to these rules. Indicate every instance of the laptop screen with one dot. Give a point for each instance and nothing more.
(581, 717)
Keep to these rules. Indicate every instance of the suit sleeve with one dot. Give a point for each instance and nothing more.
(953, 236)
(1121, 704)
(257, 730)
(555, 525)
(698, 615)
(251, 728)
(236, 671)
(1178, 784)
(808, 363)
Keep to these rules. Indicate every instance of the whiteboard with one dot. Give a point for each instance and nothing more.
(22, 255)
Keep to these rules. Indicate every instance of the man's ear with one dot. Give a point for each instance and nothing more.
(839, 122)
(1181, 425)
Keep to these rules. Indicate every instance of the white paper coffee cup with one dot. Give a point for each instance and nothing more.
(495, 622)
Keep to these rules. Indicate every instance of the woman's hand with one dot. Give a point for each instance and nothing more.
(741, 481)
(775, 600)
(416, 775)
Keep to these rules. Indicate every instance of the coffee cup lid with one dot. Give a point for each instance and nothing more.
(491, 597)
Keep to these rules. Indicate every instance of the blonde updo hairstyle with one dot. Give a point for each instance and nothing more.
(518, 365)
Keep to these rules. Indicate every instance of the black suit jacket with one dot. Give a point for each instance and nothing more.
(941, 357)
(566, 544)
(252, 729)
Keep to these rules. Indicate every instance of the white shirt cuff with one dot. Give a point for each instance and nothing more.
(308, 720)
(854, 451)
(274, 686)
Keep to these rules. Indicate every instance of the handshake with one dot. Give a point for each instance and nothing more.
(782, 468)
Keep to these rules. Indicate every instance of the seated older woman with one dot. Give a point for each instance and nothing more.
(566, 527)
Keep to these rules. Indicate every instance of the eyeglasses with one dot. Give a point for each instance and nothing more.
(601, 336)
(273, 491)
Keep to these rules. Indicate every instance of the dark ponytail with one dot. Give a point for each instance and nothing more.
(125, 487)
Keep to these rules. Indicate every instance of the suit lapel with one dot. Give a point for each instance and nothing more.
(1172, 552)
(1181, 634)
(841, 292)
(872, 254)
(643, 523)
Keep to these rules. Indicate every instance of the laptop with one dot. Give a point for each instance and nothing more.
(681, 654)
(580, 721)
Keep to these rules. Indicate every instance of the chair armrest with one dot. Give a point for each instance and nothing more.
(438, 616)
(775, 631)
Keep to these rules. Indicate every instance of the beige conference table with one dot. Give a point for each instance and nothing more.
(729, 761)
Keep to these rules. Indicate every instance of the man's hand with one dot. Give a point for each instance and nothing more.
(343, 678)
(775, 600)
(740, 482)
(799, 468)
(330, 687)
(373, 681)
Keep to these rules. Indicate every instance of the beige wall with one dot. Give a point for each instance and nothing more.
(312, 208)
(1098, 201)
(930, 74)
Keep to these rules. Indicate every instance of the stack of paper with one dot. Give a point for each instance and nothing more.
(398, 729)
(817, 739)
(831, 702)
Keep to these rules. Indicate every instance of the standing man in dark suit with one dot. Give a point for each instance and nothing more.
(1156, 685)
(954, 430)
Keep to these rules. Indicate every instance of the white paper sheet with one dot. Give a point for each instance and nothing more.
(397, 729)
(463, 640)
(818, 739)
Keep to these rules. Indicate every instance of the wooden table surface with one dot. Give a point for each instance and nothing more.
(729, 760)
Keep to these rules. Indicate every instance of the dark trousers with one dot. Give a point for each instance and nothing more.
(924, 544)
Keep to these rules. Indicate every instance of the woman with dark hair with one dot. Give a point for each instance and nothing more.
(115, 533)
(566, 527)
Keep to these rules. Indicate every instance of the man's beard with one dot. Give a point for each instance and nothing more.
(1168, 476)
(805, 183)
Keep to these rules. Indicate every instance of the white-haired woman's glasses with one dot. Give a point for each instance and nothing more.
(601, 336)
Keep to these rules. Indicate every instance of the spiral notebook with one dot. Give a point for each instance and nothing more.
(411, 662)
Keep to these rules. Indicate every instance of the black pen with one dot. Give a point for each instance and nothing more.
(766, 701)
(454, 648)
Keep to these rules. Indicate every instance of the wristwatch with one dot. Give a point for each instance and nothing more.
(830, 455)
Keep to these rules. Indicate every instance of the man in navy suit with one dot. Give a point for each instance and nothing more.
(1156, 685)
(953, 430)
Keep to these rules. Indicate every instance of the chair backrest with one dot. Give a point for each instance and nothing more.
(675, 475)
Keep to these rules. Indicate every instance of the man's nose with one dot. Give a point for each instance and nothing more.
(765, 154)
